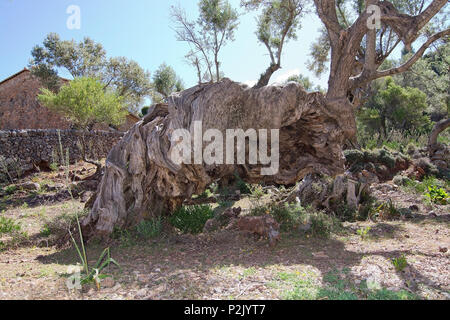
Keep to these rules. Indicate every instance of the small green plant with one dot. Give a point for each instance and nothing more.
(400, 263)
(11, 189)
(206, 194)
(92, 274)
(46, 231)
(54, 167)
(243, 187)
(322, 225)
(364, 232)
(191, 219)
(257, 191)
(149, 228)
(388, 211)
(125, 237)
(437, 195)
(8, 226)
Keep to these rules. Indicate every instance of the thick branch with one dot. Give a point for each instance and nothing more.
(438, 128)
(404, 67)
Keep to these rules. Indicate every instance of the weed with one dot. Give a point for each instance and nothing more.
(364, 232)
(322, 225)
(46, 232)
(191, 219)
(94, 274)
(388, 211)
(400, 263)
(8, 226)
(149, 228)
(243, 187)
(11, 189)
(437, 195)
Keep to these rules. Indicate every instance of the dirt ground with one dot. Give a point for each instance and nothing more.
(230, 265)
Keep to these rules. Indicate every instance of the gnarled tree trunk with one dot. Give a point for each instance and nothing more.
(141, 181)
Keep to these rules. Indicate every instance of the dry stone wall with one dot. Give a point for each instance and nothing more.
(27, 149)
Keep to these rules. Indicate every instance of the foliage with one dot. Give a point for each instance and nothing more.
(400, 263)
(393, 107)
(148, 229)
(88, 59)
(357, 159)
(243, 187)
(191, 219)
(214, 27)
(387, 211)
(8, 226)
(437, 195)
(363, 232)
(304, 81)
(322, 224)
(85, 103)
(93, 274)
(165, 82)
(289, 216)
(277, 23)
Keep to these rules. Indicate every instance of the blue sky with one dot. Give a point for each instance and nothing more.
(142, 30)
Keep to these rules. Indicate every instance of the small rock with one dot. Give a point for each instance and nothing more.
(414, 208)
(108, 282)
(443, 249)
(141, 293)
(29, 186)
(433, 214)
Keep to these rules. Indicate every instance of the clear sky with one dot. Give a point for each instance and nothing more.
(142, 30)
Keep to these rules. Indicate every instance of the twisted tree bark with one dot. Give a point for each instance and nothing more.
(141, 181)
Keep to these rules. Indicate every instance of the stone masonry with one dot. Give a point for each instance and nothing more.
(28, 149)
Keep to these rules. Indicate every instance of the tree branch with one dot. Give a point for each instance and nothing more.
(404, 67)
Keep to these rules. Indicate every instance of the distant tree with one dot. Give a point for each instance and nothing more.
(85, 103)
(431, 75)
(165, 82)
(277, 24)
(305, 82)
(392, 107)
(128, 80)
(88, 59)
(214, 27)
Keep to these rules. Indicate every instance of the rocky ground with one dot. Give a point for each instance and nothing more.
(226, 264)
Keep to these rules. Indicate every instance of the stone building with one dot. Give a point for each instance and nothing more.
(20, 109)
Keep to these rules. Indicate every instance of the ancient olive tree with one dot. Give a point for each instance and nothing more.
(85, 103)
(141, 179)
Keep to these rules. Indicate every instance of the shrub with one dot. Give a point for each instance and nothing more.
(243, 187)
(401, 180)
(322, 225)
(429, 168)
(149, 228)
(289, 216)
(388, 211)
(191, 219)
(437, 195)
(8, 226)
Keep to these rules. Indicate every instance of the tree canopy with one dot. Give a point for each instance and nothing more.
(214, 27)
(165, 82)
(85, 103)
(88, 59)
